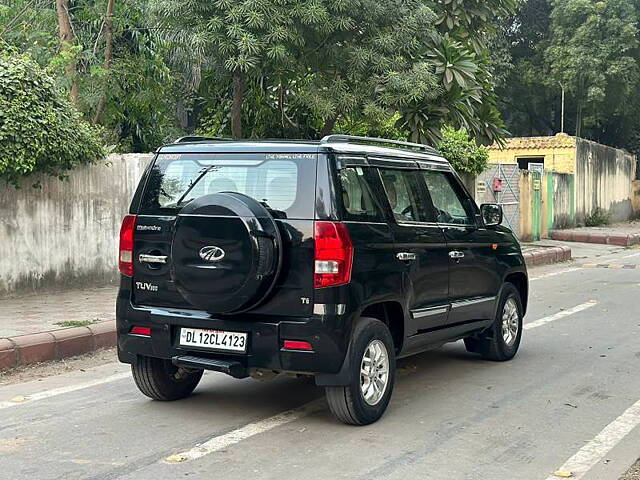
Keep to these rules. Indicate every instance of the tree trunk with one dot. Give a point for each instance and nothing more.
(236, 110)
(328, 125)
(108, 56)
(66, 37)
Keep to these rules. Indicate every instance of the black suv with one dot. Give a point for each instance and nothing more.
(330, 258)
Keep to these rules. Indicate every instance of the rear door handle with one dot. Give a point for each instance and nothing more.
(456, 254)
(143, 258)
(406, 256)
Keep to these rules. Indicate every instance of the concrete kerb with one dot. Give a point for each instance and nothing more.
(547, 255)
(618, 239)
(56, 344)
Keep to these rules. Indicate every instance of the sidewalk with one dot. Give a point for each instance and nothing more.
(52, 326)
(624, 234)
(40, 328)
(41, 313)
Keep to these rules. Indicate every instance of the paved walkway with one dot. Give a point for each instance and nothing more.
(43, 312)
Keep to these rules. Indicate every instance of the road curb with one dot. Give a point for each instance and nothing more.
(618, 239)
(55, 344)
(547, 255)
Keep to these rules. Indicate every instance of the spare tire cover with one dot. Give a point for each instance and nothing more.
(226, 252)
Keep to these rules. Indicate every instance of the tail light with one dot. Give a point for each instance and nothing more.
(334, 255)
(142, 331)
(297, 345)
(125, 258)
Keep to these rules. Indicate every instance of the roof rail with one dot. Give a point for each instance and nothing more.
(355, 139)
(197, 138)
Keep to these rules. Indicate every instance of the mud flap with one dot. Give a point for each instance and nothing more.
(339, 379)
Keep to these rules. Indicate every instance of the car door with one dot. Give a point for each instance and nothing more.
(473, 274)
(420, 249)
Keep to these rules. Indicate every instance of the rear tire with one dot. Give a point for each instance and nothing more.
(161, 380)
(502, 340)
(373, 371)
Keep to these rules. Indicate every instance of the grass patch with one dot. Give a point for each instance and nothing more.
(76, 323)
(597, 218)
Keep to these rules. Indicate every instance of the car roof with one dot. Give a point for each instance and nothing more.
(300, 146)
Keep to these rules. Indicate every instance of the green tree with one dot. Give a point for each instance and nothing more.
(593, 52)
(40, 131)
(118, 67)
(148, 70)
(310, 63)
(462, 60)
(588, 48)
(230, 41)
(369, 64)
(463, 153)
(526, 99)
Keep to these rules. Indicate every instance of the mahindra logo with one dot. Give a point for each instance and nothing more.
(211, 253)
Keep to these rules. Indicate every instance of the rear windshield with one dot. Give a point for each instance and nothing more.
(281, 182)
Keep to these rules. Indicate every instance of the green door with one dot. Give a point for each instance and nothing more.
(536, 196)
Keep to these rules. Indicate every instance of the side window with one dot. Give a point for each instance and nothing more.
(404, 196)
(357, 198)
(447, 200)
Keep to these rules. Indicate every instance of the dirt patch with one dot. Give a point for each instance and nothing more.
(633, 473)
(47, 369)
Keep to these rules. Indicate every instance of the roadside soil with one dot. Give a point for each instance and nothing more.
(46, 369)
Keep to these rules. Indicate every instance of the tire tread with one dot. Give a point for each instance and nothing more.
(156, 385)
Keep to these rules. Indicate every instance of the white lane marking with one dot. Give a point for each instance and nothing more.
(596, 449)
(215, 444)
(632, 255)
(559, 315)
(553, 274)
(59, 391)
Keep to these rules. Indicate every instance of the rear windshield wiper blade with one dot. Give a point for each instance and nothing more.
(195, 182)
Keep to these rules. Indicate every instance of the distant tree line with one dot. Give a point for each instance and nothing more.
(143, 72)
(590, 49)
(151, 70)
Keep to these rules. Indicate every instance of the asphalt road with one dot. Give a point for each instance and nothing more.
(569, 402)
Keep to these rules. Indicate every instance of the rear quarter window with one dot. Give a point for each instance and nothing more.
(358, 201)
(280, 184)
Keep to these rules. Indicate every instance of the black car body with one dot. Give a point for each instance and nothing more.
(291, 243)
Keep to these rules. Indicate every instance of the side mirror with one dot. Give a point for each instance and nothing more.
(491, 214)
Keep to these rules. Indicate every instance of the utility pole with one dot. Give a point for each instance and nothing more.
(562, 110)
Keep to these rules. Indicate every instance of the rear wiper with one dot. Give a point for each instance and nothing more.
(195, 182)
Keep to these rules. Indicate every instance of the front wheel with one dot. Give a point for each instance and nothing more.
(161, 380)
(502, 340)
(373, 370)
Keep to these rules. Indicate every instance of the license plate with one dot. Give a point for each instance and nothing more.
(213, 339)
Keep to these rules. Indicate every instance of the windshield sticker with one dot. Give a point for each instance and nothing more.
(290, 156)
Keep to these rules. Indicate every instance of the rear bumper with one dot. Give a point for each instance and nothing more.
(328, 334)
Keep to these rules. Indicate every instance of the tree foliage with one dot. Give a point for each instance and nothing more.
(40, 131)
(463, 153)
(157, 69)
(138, 88)
(313, 61)
(589, 48)
(465, 69)
(591, 53)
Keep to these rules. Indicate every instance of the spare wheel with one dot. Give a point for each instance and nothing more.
(226, 252)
